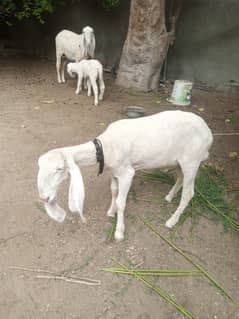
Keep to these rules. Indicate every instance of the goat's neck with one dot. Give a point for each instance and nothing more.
(84, 154)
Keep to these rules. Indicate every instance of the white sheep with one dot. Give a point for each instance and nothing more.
(167, 139)
(73, 46)
(89, 72)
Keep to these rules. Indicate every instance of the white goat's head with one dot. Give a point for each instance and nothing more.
(54, 168)
(69, 70)
(88, 42)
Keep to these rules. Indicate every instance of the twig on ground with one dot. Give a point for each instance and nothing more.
(33, 270)
(56, 276)
(84, 281)
(4, 240)
(225, 134)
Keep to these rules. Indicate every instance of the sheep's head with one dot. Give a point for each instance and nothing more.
(69, 70)
(52, 172)
(89, 41)
(54, 168)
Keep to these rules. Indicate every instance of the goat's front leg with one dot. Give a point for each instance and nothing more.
(114, 191)
(58, 67)
(79, 83)
(124, 183)
(63, 65)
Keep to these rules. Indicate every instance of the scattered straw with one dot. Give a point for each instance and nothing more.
(54, 275)
(206, 274)
(84, 281)
(158, 290)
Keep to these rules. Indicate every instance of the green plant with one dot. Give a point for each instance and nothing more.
(110, 4)
(210, 196)
(13, 10)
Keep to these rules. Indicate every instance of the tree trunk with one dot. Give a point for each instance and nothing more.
(145, 47)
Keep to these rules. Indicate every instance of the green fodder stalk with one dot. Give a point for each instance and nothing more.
(163, 177)
(110, 232)
(158, 290)
(210, 195)
(188, 258)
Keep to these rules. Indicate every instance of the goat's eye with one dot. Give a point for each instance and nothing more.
(59, 169)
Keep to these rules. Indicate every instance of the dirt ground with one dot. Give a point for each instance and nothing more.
(38, 114)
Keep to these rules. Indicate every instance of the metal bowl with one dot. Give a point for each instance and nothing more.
(134, 111)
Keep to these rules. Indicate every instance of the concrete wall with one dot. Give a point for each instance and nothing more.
(207, 43)
(110, 30)
(206, 49)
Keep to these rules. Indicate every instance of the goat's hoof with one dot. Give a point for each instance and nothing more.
(110, 214)
(168, 198)
(119, 236)
(83, 219)
(170, 223)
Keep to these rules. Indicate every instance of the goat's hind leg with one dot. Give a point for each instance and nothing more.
(95, 90)
(124, 183)
(177, 186)
(114, 191)
(102, 87)
(189, 174)
(88, 85)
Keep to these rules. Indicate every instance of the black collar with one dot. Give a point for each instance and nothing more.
(99, 155)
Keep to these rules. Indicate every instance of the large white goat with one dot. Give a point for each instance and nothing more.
(73, 46)
(167, 139)
(89, 71)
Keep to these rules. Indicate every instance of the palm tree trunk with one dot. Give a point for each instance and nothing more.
(145, 47)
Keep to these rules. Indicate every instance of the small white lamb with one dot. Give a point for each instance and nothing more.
(89, 72)
(167, 139)
(73, 46)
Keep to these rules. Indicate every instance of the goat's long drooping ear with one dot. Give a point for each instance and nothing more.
(55, 211)
(89, 42)
(84, 46)
(91, 48)
(76, 189)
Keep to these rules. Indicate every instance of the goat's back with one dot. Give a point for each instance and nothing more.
(68, 43)
(160, 140)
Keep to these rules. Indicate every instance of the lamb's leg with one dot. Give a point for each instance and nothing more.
(58, 67)
(95, 90)
(102, 87)
(114, 191)
(79, 84)
(85, 84)
(124, 182)
(88, 87)
(63, 64)
(189, 174)
(176, 187)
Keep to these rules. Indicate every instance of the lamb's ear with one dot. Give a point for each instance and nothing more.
(76, 190)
